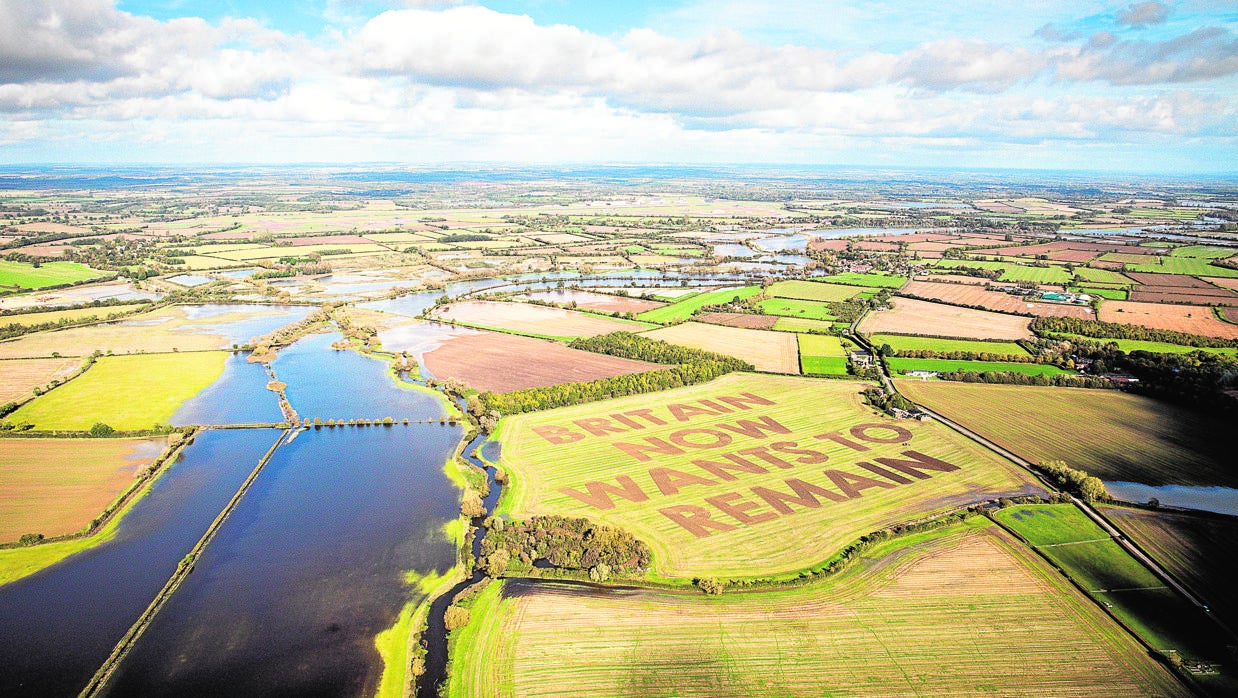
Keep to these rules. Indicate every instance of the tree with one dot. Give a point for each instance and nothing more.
(495, 564)
(1093, 490)
(711, 586)
(101, 430)
(599, 572)
(456, 617)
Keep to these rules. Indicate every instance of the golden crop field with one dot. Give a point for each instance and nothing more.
(1113, 435)
(57, 486)
(961, 612)
(747, 475)
(911, 316)
(777, 352)
(18, 377)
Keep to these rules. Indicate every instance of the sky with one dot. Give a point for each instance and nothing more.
(1139, 87)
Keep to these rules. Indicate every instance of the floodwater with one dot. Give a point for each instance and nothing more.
(190, 280)
(783, 243)
(411, 305)
(326, 383)
(61, 623)
(308, 569)
(1220, 500)
(239, 396)
(733, 250)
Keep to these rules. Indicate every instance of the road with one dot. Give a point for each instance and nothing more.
(1087, 508)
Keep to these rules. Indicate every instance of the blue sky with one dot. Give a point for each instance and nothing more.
(1126, 87)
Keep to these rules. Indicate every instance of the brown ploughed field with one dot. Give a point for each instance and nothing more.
(911, 316)
(501, 362)
(1195, 319)
(746, 320)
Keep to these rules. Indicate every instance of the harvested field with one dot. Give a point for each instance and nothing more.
(1196, 548)
(812, 291)
(963, 294)
(57, 486)
(1231, 284)
(955, 279)
(1147, 279)
(911, 316)
(524, 318)
(128, 393)
(750, 321)
(1112, 435)
(835, 245)
(670, 473)
(595, 301)
(18, 377)
(879, 628)
(1195, 319)
(766, 351)
(500, 363)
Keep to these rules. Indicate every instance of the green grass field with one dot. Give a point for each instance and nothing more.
(1102, 276)
(683, 309)
(1202, 252)
(663, 481)
(1113, 435)
(1013, 272)
(822, 355)
(937, 614)
(788, 307)
(905, 365)
(796, 324)
(1113, 294)
(1096, 562)
(851, 278)
(128, 393)
(912, 343)
(22, 275)
(812, 291)
(1192, 266)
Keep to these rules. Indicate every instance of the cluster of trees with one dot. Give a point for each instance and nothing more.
(466, 237)
(1113, 330)
(566, 543)
(1087, 487)
(283, 271)
(887, 402)
(1016, 378)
